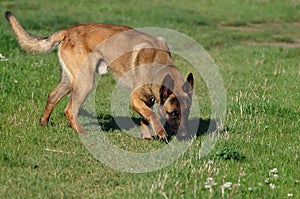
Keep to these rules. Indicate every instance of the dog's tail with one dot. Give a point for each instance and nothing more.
(33, 43)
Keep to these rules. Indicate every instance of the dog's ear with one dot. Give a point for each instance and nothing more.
(166, 88)
(189, 85)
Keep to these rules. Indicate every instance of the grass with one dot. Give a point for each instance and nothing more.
(257, 153)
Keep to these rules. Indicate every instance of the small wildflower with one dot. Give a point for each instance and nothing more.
(242, 173)
(272, 186)
(275, 176)
(274, 170)
(227, 184)
(210, 179)
(16, 81)
(3, 58)
(206, 186)
(210, 183)
(290, 195)
(210, 162)
(267, 180)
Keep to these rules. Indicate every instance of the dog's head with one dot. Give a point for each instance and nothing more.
(175, 103)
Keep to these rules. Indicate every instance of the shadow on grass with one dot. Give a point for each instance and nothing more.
(111, 123)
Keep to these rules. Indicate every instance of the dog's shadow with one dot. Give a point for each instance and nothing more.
(111, 123)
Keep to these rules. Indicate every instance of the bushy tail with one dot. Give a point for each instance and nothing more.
(31, 42)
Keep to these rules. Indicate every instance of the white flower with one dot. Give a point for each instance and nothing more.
(227, 184)
(272, 186)
(274, 170)
(207, 186)
(242, 173)
(2, 58)
(267, 180)
(290, 195)
(210, 183)
(275, 176)
(210, 162)
(210, 179)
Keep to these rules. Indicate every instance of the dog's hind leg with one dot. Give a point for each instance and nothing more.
(54, 97)
(82, 86)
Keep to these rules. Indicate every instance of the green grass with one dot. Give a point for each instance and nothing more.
(261, 131)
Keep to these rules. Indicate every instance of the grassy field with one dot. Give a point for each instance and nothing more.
(256, 46)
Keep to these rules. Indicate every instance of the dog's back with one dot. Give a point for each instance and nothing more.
(120, 47)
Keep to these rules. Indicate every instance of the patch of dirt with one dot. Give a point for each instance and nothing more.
(295, 44)
(296, 23)
(258, 26)
(239, 28)
(295, 38)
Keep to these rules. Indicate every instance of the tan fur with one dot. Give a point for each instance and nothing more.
(84, 49)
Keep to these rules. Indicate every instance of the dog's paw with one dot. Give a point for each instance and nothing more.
(44, 122)
(145, 134)
(162, 135)
(80, 130)
(147, 138)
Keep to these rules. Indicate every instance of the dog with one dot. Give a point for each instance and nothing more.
(143, 60)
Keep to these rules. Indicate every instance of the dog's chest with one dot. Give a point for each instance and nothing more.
(146, 95)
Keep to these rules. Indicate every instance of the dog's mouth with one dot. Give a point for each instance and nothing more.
(181, 132)
(172, 129)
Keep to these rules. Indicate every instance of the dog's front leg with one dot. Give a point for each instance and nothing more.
(145, 130)
(140, 107)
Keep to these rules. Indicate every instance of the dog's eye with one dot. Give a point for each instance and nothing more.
(172, 113)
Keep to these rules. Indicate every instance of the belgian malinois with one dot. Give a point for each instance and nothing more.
(89, 48)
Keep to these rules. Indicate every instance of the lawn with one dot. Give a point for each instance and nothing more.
(256, 48)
